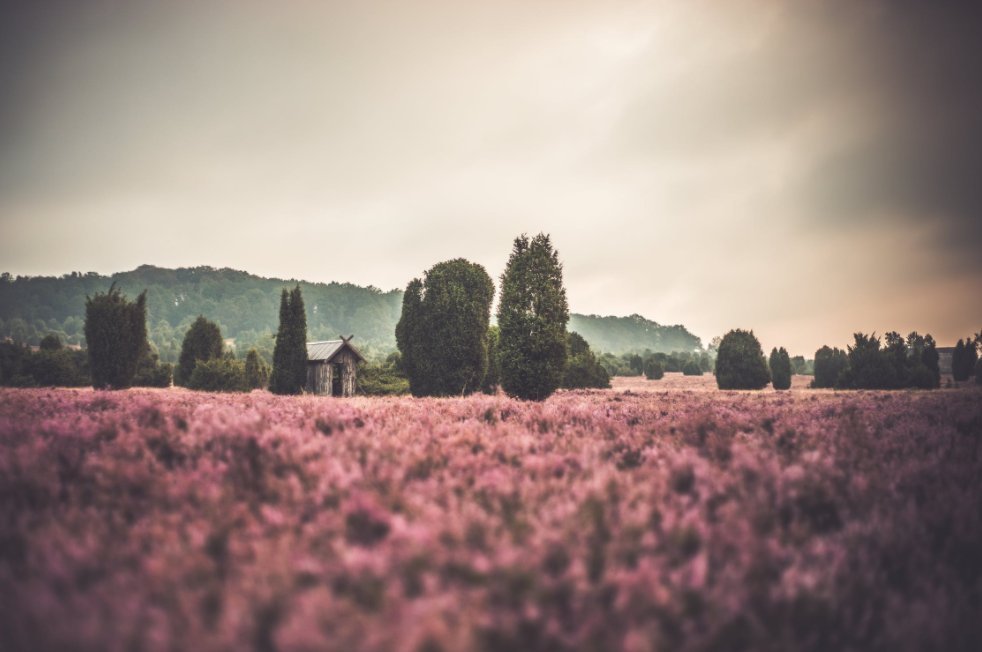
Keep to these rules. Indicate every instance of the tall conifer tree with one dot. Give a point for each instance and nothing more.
(532, 320)
(290, 351)
(959, 362)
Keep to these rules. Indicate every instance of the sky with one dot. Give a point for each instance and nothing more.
(803, 169)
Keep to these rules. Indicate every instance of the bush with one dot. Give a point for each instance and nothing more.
(442, 332)
(58, 368)
(692, 368)
(532, 317)
(829, 365)
(963, 360)
(151, 372)
(14, 365)
(385, 379)
(50, 342)
(740, 363)
(203, 341)
(653, 369)
(780, 364)
(901, 363)
(582, 368)
(116, 334)
(256, 370)
(978, 372)
(219, 375)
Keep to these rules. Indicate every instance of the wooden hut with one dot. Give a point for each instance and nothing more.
(332, 367)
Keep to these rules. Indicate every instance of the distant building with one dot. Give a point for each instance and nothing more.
(944, 359)
(332, 367)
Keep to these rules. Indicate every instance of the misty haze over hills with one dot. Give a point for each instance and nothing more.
(246, 307)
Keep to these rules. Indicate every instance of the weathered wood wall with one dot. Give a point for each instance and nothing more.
(349, 371)
(320, 374)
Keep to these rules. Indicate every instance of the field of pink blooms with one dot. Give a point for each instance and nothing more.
(668, 519)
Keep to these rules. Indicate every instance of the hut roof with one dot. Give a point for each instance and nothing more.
(326, 350)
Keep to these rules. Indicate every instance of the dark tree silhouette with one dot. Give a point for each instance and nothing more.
(532, 317)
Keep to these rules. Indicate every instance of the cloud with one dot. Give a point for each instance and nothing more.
(715, 164)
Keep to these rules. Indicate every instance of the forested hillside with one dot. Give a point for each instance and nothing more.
(246, 307)
(632, 334)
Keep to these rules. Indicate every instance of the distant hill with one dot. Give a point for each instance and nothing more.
(634, 333)
(246, 307)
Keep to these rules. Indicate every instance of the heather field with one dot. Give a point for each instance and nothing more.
(647, 517)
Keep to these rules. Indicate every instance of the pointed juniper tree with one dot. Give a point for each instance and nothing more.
(532, 320)
(289, 373)
(443, 331)
(960, 369)
(923, 367)
(410, 338)
(203, 341)
(971, 357)
(780, 364)
(116, 334)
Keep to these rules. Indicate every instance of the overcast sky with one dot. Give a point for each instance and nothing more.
(804, 169)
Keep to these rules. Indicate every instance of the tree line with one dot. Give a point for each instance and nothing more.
(244, 307)
(447, 346)
(120, 355)
(893, 363)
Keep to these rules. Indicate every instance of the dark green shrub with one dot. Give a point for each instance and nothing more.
(613, 365)
(14, 365)
(203, 341)
(634, 362)
(58, 368)
(653, 369)
(218, 375)
(692, 368)
(740, 363)
(50, 342)
(868, 367)
(963, 360)
(532, 317)
(921, 377)
(978, 372)
(116, 334)
(383, 379)
(923, 362)
(256, 370)
(289, 374)
(830, 364)
(780, 364)
(900, 363)
(582, 368)
(151, 372)
(442, 333)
